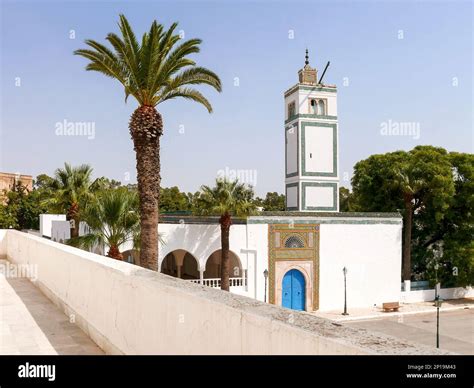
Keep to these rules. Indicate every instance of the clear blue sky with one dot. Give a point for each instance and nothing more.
(403, 80)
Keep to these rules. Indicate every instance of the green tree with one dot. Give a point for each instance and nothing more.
(272, 202)
(173, 200)
(104, 183)
(226, 199)
(72, 191)
(417, 183)
(7, 218)
(21, 208)
(448, 243)
(345, 200)
(44, 190)
(113, 219)
(43, 182)
(154, 70)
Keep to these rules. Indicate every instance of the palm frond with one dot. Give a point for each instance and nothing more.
(188, 93)
(153, 70)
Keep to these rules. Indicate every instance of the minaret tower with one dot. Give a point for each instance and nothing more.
(311, 149)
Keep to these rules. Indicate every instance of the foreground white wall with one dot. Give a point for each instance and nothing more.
(127, 309)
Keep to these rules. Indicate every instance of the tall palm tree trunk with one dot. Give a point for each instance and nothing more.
(146, 127)
(226, 222)
(407, 238)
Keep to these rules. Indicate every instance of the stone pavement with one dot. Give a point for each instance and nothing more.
(31, 324)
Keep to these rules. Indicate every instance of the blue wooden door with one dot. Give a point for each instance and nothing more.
(293, 289)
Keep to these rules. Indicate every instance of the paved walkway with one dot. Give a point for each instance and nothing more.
(31, 324)
(405, 309)
(456, 328)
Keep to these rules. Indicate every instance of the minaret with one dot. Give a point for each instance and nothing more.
(311, 149)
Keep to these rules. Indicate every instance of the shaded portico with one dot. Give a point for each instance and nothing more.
(181, 264)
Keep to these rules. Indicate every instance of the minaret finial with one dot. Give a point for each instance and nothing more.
(306, 62)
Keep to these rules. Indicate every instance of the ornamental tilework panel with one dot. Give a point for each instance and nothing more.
(277, 236)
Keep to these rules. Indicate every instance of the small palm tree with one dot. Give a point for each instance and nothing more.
(71, 191)
(113, 220)
(154, 70)
(226, 199)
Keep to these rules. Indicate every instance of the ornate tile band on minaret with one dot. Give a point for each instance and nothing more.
(311, 144)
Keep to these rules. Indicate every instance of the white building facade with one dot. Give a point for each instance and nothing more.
(318, 245)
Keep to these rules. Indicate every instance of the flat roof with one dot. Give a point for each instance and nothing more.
(13, 175)
(318, 87)
(282, 217)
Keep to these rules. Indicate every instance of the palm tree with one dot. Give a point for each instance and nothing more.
(153, 71)
(226, 199)
(71, 191)
(113, 220)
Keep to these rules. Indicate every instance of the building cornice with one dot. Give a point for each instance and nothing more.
(320, 88)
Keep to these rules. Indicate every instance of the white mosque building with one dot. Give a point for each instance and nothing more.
(294, 258)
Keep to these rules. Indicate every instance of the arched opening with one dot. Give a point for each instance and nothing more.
(314, 107)
(180, 264)
(294, 290)
(212, 273)
(321, 108)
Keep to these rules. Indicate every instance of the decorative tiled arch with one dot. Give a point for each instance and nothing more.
(277, 252)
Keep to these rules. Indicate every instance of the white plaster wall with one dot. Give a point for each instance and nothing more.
(130, 310)
(60, 231)
(371, 253)
(317, 196)
(291, 150)
(292, 196)
(257, 260)
(318, 149)
(46, 222)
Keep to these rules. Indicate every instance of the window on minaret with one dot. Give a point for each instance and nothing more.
(321, 108)
(291, 109)
(314, 107)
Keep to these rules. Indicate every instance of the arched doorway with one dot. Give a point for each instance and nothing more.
(180, 264)
(294, 290)
(212, 273)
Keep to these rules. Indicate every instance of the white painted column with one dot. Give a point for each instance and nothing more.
(407, 285)
(179, 259)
